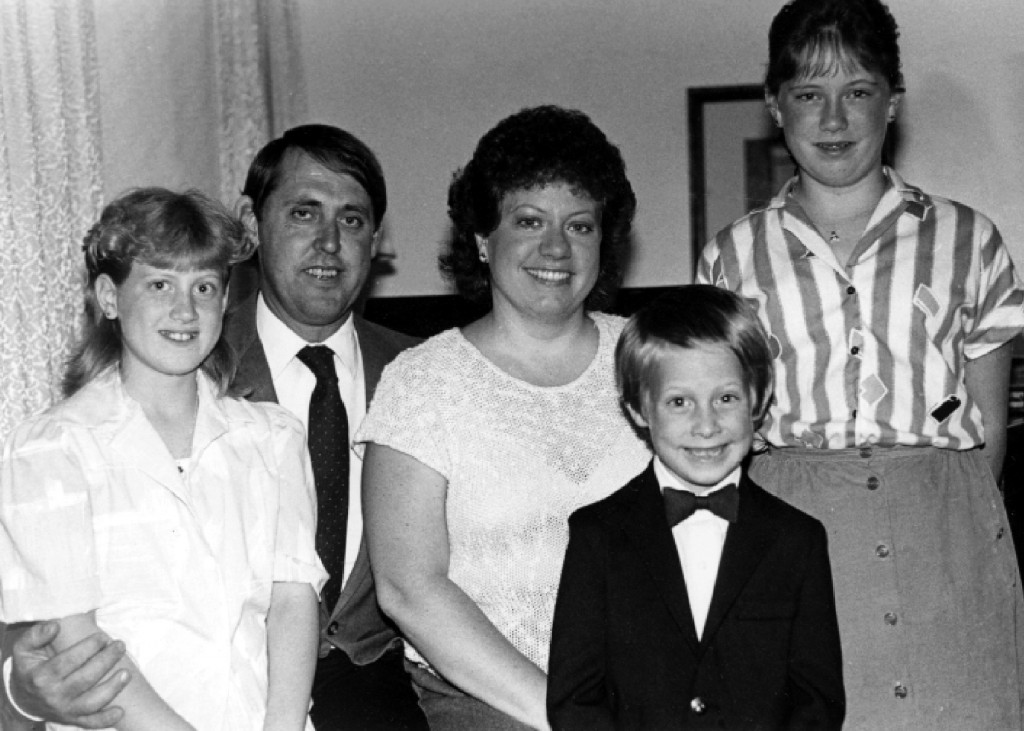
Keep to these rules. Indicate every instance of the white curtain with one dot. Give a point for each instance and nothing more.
(50, 191)
(259, 81)
(51, 173)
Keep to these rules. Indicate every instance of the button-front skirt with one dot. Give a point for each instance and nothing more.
(927, 584)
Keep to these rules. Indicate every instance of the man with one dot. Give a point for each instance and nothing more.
(313, 200)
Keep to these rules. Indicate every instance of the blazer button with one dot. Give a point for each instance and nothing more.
(332, 628)
(873, 483)
(890, 619)
(900, 691)
(698, 706)
(882, 550)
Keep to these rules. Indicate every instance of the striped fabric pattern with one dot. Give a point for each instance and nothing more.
(872, 353)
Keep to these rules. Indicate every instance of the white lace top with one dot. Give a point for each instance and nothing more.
(518, 459)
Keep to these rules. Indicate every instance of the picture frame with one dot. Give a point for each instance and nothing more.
(738, 159)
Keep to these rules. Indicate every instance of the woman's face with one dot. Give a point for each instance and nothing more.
(170, 320)
(835, 123)
(545, 253)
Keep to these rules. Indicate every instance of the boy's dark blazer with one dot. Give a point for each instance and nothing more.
(356, 623)
(625, 652)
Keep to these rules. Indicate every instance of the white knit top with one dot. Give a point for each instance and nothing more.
(518, 459)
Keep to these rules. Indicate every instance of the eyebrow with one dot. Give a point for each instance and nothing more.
(306, 200)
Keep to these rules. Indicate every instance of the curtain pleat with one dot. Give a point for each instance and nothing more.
(50, 192)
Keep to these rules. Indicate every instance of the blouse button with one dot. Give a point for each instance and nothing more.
(854, 350)
(900, 691)
(882, 551)
(873, 483)
(851, 289)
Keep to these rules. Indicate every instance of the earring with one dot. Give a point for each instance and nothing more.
(892, 117)
(483, 256)
(110, 314)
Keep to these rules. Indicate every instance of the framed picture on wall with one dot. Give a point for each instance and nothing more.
(738, 159)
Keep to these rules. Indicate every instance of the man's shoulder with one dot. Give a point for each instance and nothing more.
(240, 323)
(383, 337)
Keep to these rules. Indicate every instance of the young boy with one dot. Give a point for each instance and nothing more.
(679, 611)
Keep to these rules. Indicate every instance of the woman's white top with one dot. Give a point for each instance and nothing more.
(518, 459)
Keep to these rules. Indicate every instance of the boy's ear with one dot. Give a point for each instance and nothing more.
(636, 416)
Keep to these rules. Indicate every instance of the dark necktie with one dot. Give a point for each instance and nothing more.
(328, 451)
(681, 504)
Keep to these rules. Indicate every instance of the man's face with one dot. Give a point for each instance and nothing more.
(316, 242)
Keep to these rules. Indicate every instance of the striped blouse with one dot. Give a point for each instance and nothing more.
(873, 352)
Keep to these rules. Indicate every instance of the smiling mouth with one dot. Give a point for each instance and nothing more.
(179, 337)
(323, 274)
(549, 275)
(834, 146)
(706, 452)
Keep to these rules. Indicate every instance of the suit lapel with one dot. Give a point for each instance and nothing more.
(374, 353)
(746, 544)
(648, 530)
(253, 375)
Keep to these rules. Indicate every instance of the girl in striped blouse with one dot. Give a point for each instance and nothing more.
(890, 313)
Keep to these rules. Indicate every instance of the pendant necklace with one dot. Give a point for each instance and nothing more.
(833, 237)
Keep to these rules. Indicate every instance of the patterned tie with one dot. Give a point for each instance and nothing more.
(681, 504)
(328, 451)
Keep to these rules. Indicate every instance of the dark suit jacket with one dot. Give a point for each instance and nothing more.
(624, 649)
(356, 625)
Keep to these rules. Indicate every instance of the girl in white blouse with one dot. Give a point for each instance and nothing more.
(152, 506)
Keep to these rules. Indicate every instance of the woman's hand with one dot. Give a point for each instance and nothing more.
(407, 535)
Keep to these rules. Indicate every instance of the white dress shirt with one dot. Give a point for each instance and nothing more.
(699, 541)
(294, 384)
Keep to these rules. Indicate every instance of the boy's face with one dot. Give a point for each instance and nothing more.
(698, 410)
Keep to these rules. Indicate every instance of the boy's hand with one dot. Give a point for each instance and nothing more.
(70, 687)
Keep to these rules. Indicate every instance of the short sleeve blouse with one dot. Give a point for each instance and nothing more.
(872, 352)
(176, 560)
(518, 459)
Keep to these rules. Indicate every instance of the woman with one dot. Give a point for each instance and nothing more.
(483, 440)
(151, 505)
(890, 311)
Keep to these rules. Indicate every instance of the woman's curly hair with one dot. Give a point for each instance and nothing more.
(536, 147)
(163, 229)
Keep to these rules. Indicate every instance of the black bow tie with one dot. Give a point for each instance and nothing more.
(681, 504)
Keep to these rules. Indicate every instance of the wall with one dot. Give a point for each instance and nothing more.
(421, 81)
(156, 102)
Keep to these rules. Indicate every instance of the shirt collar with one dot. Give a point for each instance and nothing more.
(281, 343)
(897, 192)
(106, 404)
(667, 478)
